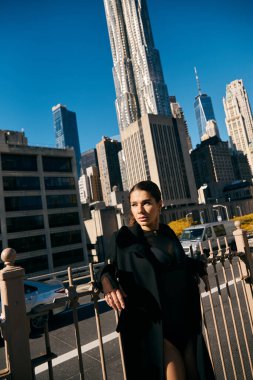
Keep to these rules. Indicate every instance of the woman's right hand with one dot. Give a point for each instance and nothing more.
(115, 299)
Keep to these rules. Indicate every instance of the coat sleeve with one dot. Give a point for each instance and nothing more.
(107, 275)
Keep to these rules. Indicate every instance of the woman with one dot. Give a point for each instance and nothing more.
(154, 285)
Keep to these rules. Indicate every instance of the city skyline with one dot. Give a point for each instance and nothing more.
(50, 56)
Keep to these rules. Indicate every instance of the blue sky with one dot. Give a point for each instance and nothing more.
(58, 52)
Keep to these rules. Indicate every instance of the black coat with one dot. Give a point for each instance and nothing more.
(129, 264)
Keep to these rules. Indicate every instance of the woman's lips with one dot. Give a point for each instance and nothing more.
(143, 219)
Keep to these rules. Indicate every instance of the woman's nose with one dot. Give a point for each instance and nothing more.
(139, 209)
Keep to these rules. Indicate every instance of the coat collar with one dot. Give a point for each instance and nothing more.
(135, 235)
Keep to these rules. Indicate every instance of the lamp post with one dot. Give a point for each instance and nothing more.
(219, 218)
(240, 210)
(225, 207)
(186, 216)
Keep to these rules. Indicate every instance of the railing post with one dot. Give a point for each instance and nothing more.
(16, 330)
(242, 245)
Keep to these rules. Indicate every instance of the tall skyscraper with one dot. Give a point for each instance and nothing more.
(203, 110)
(154, 144)
(137, 69)
(108, 162)
(239, 119)
(66, 132)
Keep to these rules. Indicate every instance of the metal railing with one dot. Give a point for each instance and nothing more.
(226, 308)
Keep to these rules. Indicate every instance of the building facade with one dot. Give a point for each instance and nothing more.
(109, 168)
(149, 134)
(90, 186)
(239, 119)
(40, 210)
(89, 158)
(177, 113)
(157, 148)
(66, 132)
(212, 165)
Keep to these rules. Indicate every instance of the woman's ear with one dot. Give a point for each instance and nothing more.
(160, 204)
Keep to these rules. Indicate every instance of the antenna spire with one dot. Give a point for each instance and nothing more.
(197, 80)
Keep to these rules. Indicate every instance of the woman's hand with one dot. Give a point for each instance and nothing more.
(115, 299)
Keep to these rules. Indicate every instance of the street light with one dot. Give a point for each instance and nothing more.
(240, 210)
(201, 217)
(219, 218)
(186, 216)
(225, 207)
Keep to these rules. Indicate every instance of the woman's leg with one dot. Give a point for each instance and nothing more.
(173, 362)
(190, 359)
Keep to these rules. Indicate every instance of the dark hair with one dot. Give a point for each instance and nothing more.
(151, 188)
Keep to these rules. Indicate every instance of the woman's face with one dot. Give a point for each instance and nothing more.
(145, 209)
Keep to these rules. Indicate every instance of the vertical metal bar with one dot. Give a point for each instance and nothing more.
(232, 315)
(206, 332)
(242, 322)
(77, 332)
(121, 349)
(213, 261)
(48, 351)
(95, 298)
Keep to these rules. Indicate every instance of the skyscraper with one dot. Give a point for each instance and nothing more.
(203, 110)
(153, 143)
(66, 132)
(239, 119)
(137, 70)
(108, 162)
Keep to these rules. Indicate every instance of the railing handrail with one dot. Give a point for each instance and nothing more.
(62, 273)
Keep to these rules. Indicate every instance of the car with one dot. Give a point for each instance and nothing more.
(42, 293)
(193, 236)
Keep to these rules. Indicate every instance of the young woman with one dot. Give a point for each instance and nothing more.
(154, 285)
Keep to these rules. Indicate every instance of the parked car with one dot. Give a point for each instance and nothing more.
(42, 293)
(193, 236)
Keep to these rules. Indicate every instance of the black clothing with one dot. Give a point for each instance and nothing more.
(162, 301)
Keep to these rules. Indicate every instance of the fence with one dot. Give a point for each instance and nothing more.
(227, 310)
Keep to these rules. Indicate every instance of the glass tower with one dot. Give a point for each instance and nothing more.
(203, 111)
(137, 69)
(66, 132)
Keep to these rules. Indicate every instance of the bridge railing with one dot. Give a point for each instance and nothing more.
(226, 308)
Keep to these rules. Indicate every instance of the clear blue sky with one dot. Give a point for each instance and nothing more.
(58, 51)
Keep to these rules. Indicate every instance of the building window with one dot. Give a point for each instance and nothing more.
(21, 183)
(61, 201)
(25, 223)
(68, 257)
(28, 243)
(65, 238)
(66, 219)
(57, 164)
(19, 162)
(57, 183)
(23, 203)
(35, 264)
